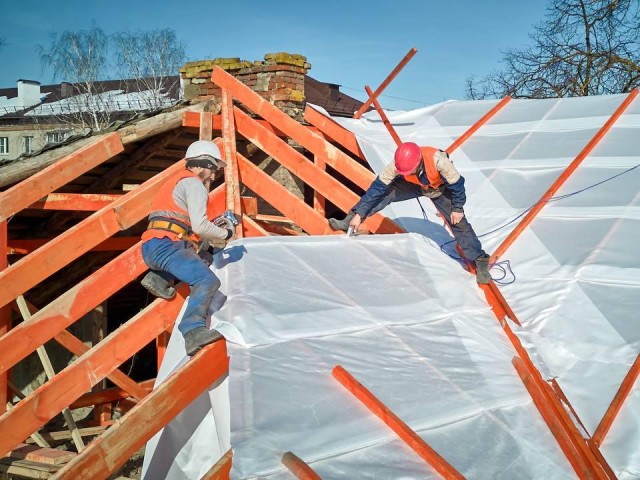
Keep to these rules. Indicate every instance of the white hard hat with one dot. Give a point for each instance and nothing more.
(204, 154)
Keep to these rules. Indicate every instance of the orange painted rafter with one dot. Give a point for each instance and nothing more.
(336, 132)
(60, 173)
(301, 167)
(24, 247)
(69, 307)
(115, 446)
(533, 212)
(485, 118)
(231, 171)
(581, 463)
(88, 202)
(79, 239)
(411, 438)
(78, 348)
(311, 141)
(618, 400)
(68, 385)
(192, 120)
(387, 81)
(5, 315)
(222, 468)
(384, 118)
(282, 199)
(298, 468)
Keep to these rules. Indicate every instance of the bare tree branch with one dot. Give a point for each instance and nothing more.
(583, 47)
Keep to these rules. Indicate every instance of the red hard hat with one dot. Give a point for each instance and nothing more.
(407, 158)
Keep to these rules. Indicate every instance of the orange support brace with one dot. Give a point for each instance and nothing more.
(300, 166)
(474, 128)
(74, 201)
(407, 435)
(252, 229)
(282, 199)
(231, 171)
(386, 82)
(51, 398)
(531, 214)
(301, 134)
(616, 404)
(298, 468)
(222, 469)
(60, 173)
(384, 118)
(115, 446)
(108, 395)
(319, 203)
(120, 215)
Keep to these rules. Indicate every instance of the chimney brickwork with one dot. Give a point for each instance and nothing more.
(279, 79)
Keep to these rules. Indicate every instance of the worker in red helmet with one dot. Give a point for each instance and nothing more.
(422, 171)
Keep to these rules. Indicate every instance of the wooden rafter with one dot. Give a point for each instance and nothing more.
(298, 467)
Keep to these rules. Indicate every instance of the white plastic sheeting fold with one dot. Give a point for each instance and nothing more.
(410, 324)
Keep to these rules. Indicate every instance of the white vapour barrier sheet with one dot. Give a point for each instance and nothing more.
(413, 327)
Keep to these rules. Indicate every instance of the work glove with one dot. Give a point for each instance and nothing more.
(224, 222)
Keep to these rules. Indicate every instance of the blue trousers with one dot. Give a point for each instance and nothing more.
(178, 260)
(400, 190)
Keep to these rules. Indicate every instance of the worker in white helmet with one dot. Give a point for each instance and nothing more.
(177, 224)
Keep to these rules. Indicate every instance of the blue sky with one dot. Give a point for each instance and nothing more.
(351, 42)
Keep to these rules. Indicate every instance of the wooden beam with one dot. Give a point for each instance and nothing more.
(119, 244)
(206, 124)
(47, 455)
(305, 137)
(231, 178)
(122, 214)
(386, 82)
(406, 434)
(109, 395)
(69, 307)
(298, 467)
(301, 167)
(49, 399)
(253, 229)
(113, 448)
(222, 469)
(551, 191)
(54, 437)
(5, 315)
(617, 402)
(25, 193)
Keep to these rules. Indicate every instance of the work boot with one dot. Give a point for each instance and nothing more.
(482, 269)
(341, 224)
(199, 337)
(158, 286)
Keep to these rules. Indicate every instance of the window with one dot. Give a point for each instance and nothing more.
(53, 137)
(28, 144)
(4, 145)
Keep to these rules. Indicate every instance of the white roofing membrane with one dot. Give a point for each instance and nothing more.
(410, 324)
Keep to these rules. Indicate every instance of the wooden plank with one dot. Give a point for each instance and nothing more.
(68, 246)
(336, 132)
(298, 467)
(222, 469)
(25, 193)
(5, 315)
(206, 124)
(112, 449)
(253, 229)
(24, 247)
(301, 167)
(35, 437)
(108, 395)
(69, 307)
(384, 118)
(406, 434)
(49, 399)
(27, 469)
(34, 453)
(66, 435)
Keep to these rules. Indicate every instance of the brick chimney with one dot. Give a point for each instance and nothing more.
(279, 79)
(28, 93)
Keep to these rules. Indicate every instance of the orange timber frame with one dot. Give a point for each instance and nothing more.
(114, 214)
